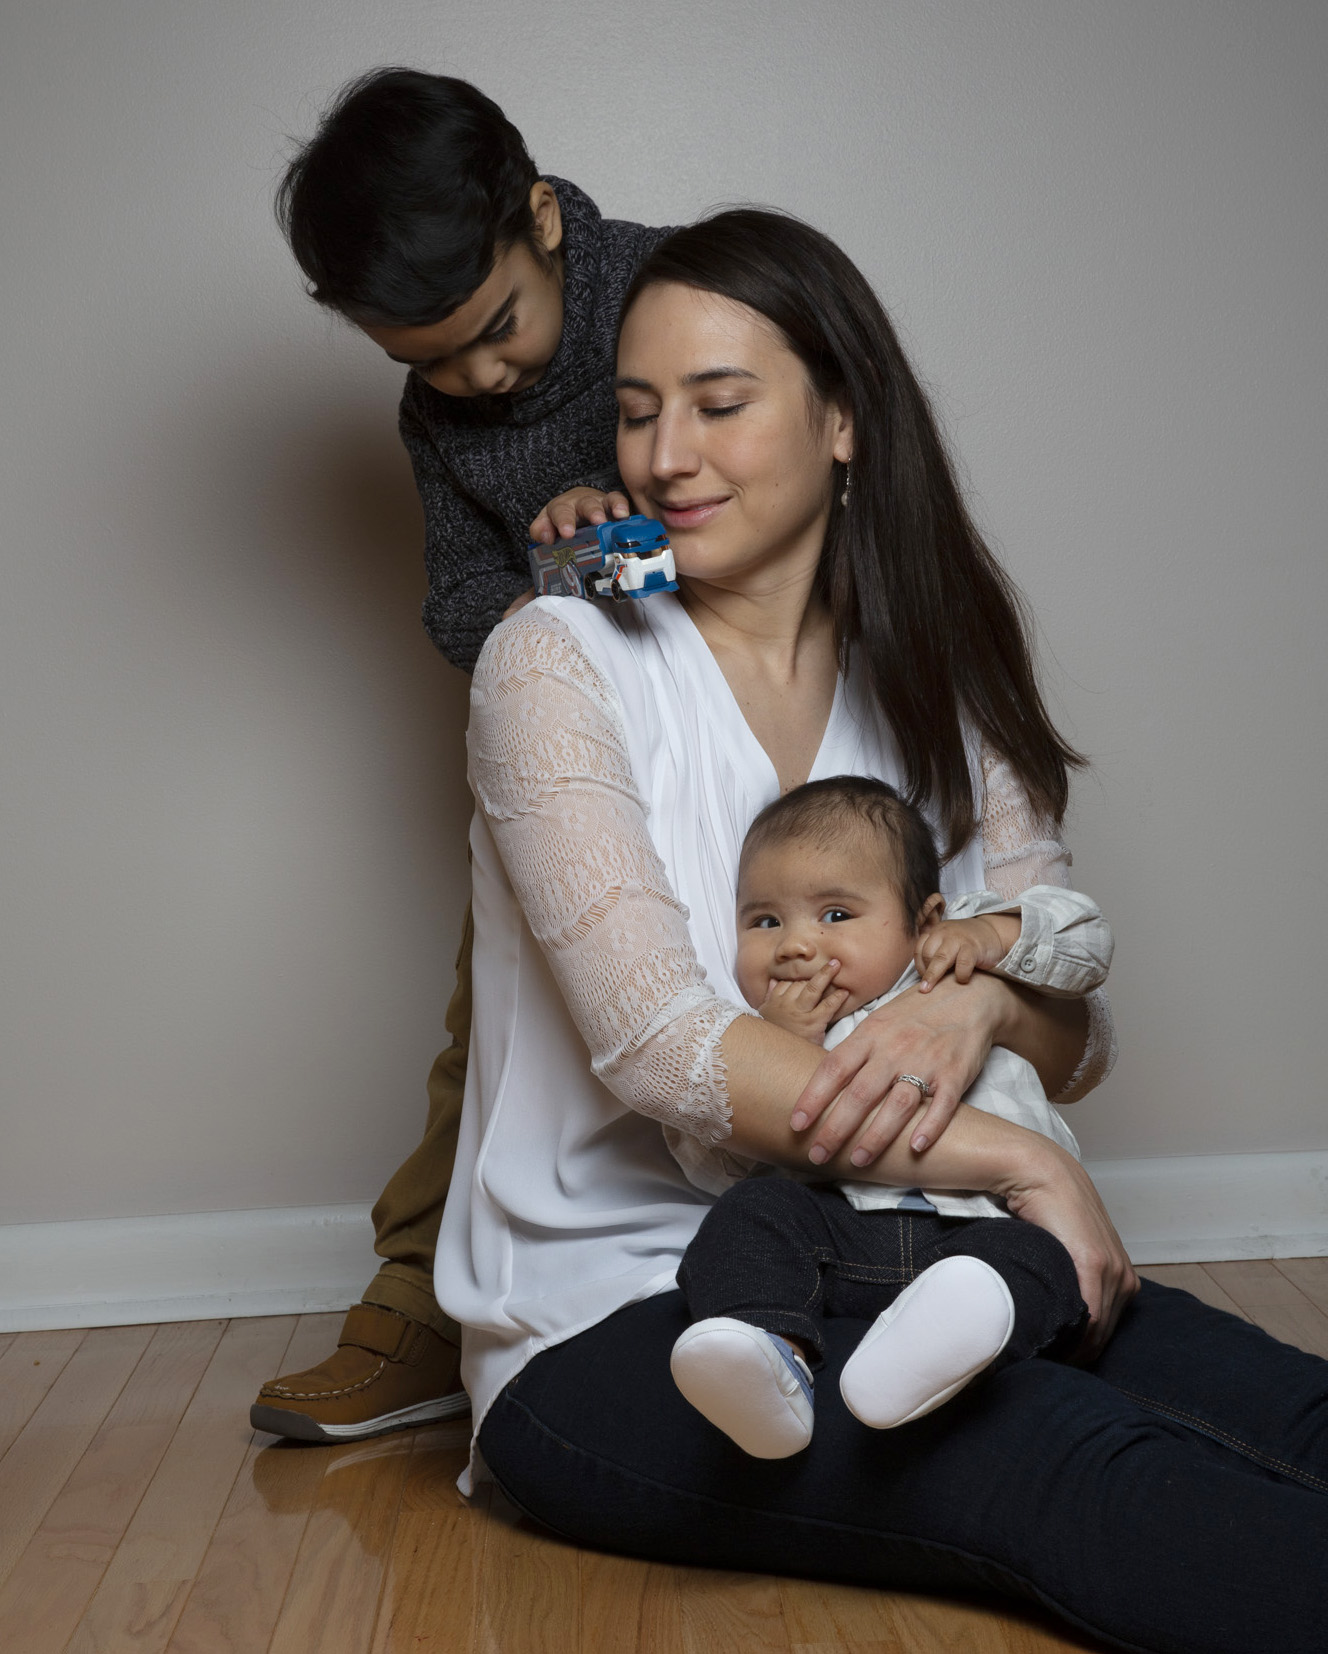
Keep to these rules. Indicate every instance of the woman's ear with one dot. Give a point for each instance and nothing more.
(931, 912)
(843, 433)
(548, 216)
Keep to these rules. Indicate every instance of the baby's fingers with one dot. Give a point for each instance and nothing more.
(935, 964)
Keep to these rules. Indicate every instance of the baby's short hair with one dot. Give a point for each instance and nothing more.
(821, 810)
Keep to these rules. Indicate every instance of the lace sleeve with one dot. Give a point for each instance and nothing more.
(1019, 850)
(550, 771)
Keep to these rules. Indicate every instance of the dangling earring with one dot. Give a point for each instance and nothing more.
(848, 474)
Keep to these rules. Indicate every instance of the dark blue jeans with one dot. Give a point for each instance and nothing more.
(1172, 1499)
(783, 1256)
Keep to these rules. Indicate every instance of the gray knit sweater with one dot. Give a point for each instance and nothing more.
(485, 465)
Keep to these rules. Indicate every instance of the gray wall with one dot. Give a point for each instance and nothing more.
(233, 803)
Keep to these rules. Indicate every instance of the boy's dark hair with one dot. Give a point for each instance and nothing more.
(398, 205)
(818, 810)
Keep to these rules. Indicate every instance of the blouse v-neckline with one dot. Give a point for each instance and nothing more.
(746, 751)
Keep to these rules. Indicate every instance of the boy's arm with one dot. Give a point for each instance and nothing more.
(475, 569)
(1064, 945)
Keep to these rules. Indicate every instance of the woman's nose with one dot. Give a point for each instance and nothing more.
(673, 453)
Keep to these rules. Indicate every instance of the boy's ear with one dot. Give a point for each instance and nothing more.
(547, 214)
(932, 912)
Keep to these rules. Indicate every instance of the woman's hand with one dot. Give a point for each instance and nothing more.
(943, 1038)
(577, 507)
(1054, 1191)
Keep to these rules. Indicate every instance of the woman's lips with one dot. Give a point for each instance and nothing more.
(689, 513)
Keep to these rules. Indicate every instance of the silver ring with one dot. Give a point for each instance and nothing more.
(912, 1079)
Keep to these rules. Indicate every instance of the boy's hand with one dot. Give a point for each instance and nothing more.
(574, 509)
(964, 946)
(805, 1008)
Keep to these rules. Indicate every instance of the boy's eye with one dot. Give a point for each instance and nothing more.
(501, 334)
(835, 916)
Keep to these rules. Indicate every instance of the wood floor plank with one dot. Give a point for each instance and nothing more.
(236, 1597)
(54, 1439)
(143, 1591)
(332, 1601)
(631, 1607)
(52, 1582)
(543, 1616)
(1310, 1275)
(432, 1581)
(817, 1611)
(1274, 1302)
(730, 1610)
(6, 1339)
(28, 1368)
(1194, 1279)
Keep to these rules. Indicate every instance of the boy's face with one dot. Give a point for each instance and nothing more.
(801, 905)
(506, 333)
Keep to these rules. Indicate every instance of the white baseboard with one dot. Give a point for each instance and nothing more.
(117, 1272)
(122, 1271)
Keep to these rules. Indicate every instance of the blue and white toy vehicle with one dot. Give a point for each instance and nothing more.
(628, 558)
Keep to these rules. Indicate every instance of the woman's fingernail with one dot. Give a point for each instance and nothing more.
(817, 1156)
(798, 1121)
(859, 1157)
(919, 1143)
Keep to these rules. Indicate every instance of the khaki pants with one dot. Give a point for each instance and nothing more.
(410, 1208)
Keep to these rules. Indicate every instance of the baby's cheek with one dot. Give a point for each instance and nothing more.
(752, 971)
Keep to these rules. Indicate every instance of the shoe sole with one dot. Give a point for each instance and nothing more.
(950, 1286)
(277, 1421)
(735, 1377)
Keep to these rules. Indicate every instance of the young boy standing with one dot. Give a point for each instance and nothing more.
(417, 213)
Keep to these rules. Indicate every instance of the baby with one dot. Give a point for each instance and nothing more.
(838, 912)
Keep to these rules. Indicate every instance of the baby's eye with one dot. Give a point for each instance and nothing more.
(835, 915)
(767, 921)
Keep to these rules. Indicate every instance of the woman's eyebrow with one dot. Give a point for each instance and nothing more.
(703, 376)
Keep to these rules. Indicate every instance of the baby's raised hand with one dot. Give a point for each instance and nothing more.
(806, 1008)
(964, 946)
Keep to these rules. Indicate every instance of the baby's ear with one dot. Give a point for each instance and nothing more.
(931, 912)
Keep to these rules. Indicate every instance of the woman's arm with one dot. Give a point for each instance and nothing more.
(551, 773)
(1037, 1179)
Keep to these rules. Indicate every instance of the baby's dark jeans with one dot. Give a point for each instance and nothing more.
(783, 1255)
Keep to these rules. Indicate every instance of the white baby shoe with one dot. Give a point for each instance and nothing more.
(939, 1333)
(750, 1384)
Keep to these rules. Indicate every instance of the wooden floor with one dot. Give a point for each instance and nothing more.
(140, 1515)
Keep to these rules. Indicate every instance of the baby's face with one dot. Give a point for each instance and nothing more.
(801, 905)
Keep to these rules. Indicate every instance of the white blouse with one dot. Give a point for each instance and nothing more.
(615, 777)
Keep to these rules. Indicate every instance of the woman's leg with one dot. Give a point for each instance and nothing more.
(1044, 1482)
(1262, 1399)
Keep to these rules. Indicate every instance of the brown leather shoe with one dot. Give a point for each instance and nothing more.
(388, 1373)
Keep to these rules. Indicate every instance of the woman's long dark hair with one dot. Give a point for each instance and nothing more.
(916, 597)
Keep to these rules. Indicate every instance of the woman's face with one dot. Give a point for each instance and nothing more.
(722, 439)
